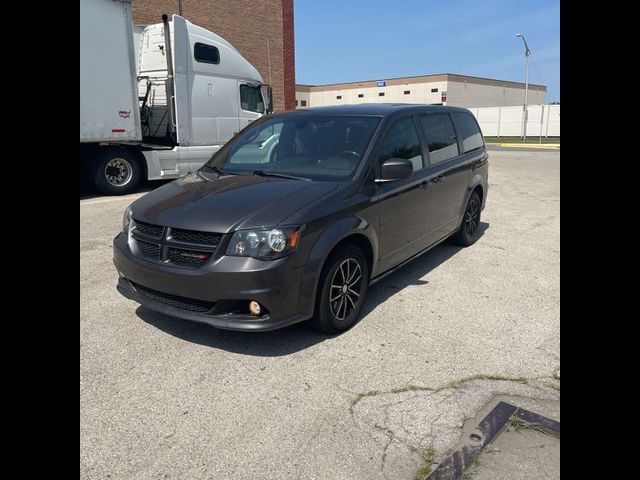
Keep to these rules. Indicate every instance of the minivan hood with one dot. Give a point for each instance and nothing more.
(227, 203)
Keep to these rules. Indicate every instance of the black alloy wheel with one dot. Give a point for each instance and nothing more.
(341, 291)
(469, 231)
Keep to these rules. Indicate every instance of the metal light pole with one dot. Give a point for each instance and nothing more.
(525, 113)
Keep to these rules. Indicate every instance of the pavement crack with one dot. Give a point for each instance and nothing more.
(453, 385)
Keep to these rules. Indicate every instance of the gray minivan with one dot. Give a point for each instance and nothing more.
(299, 213)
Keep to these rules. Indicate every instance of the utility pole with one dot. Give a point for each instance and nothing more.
(525, 112)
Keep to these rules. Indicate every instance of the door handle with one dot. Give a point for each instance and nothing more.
(437, 179)
(424, 185)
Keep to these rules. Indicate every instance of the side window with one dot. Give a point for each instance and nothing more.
(468, 131)
(441, 137)
(401, 141)
(206, 53)
(251, 99)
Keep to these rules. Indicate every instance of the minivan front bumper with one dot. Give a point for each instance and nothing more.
(274, 284)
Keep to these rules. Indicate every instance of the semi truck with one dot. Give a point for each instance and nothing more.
(157, 102)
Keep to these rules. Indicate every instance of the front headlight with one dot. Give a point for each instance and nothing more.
(264, 243)
(126, 220)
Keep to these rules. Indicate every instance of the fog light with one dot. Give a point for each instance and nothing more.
(254, 308)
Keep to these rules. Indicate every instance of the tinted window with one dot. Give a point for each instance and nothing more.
(206, 53)
(251, 99)
(401, 141)
(441, 137)
(320, 147)
(468, 131)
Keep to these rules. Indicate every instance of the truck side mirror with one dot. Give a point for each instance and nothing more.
(267, 96)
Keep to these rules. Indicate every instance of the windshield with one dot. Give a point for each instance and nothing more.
(319, 147)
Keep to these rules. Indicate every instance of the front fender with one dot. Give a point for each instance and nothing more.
(324, 245)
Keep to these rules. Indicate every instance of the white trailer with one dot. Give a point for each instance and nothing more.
(159, 107)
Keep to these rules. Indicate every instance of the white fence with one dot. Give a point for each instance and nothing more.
(507, 121)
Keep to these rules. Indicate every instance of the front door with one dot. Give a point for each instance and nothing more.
(403, 209)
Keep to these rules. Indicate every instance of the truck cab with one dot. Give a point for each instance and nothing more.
(195, 91)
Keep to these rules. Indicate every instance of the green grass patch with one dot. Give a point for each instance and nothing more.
(411, 388)
(519, 425)
(480, 376)
(429, 459)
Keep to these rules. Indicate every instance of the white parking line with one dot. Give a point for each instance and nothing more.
(94, 201)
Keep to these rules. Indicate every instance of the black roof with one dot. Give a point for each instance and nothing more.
(376, 109)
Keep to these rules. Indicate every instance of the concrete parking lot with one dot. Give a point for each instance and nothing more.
(162, 398)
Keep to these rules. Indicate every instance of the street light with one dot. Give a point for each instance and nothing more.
(525, 112)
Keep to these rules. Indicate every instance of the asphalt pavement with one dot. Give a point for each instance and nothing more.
(162, 398)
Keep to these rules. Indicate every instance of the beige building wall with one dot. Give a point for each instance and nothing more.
(418, 93)
(460, 91)
(303, 97)
(468, 95)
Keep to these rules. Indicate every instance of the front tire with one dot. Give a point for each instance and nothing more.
(342, 289)
(469, 231)
(117, 172)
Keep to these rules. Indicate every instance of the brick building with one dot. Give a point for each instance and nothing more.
(261, 30)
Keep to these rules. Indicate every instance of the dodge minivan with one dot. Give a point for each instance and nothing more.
(299, 213)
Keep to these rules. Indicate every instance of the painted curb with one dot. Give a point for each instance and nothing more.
(453, 467)
(530, 145)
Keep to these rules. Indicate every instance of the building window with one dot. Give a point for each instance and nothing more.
(361, 95)
(206, 53)
(407, 92)
(303, 103)
(434, 90)
(296, 102)
(381, 94)
(339, 97)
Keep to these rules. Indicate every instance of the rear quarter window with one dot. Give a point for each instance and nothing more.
(441, 137)
(468, 131)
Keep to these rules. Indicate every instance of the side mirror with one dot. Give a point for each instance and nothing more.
(267, 98)
(395, 169)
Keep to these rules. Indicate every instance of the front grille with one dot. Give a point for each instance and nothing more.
(151, 250)
(188, 257)
(183, 303)
(190, 236)
(174, 246)
(149, 229)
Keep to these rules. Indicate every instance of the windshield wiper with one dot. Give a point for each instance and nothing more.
(262, 173)
(218, 171)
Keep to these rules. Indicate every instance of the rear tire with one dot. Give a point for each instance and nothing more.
(469, 231)
(116, 171)
(342, 290)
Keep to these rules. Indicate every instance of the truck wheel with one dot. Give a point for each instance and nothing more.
(117, 172)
